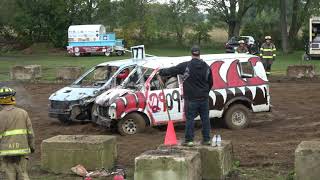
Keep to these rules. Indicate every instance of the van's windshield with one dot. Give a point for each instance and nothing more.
(137, 78)
(96, 77)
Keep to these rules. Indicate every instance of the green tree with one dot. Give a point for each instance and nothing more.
(181, 15)
(202, 31)
(229, 11)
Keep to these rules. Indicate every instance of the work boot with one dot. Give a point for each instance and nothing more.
(188, 143)
(206, 143)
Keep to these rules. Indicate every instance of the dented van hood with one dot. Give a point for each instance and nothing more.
(73, 94)
(108, 97)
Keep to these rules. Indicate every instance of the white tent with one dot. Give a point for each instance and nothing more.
(85, 32)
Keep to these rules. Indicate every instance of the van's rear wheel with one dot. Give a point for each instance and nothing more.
(119, 53)
(237, 117)
(131, 124)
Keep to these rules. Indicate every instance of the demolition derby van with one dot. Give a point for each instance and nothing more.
(240, 87)
(75, 101)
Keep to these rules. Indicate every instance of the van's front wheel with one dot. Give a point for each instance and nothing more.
(131, 124)
(237, 117)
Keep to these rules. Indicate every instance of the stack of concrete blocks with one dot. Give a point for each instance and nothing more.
(60, 153)
(216, 161)
(29, 72)
(301, 71)
(69, 73)
(168, 164)
(307, 160)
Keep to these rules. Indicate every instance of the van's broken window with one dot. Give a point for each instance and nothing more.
(97, 76)
(246, 70)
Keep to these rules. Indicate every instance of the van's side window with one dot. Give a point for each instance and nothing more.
(246, 70)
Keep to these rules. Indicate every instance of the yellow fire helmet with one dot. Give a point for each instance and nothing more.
(7, 96)
(267, 38)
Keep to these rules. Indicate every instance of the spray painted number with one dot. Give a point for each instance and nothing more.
(173, 98)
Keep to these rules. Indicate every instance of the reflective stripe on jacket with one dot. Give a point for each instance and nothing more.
(267, 51)
(16, 134)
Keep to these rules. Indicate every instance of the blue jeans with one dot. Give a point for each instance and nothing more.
(194, 108)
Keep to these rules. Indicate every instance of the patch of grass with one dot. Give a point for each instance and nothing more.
(279, 67)
(50, 62)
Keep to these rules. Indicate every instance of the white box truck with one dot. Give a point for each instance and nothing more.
(313, 47)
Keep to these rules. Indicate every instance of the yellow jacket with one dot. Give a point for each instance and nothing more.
(16, 133)
(268, 51)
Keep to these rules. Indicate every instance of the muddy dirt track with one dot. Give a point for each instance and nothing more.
(269, 141)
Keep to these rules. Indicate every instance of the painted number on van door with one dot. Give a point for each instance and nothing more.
(156, 101)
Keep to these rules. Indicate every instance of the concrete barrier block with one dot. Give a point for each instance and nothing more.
(69, 73)
(301, 71)
(29, 72)
(60, 153)
(173, 164)
(307, 160)
(216, 162)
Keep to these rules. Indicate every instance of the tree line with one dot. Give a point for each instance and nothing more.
(176, 23)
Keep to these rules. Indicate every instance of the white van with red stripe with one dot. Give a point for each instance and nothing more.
(240, 87)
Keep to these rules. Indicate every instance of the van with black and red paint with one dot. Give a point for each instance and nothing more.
(240, 87)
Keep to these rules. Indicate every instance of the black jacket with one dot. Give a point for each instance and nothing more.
(197, 78)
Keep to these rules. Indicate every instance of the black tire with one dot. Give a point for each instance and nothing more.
(237, 117)
(119, 53)
(131, 124)
(64, 119)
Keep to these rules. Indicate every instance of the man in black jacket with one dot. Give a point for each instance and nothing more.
(196, 87)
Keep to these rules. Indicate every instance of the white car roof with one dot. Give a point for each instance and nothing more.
(165, 62)
(126, 62)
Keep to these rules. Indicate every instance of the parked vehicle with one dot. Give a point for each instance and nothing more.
(87, 39)
(240, 86)
(233, 44)
(75, 102)
(313, 46)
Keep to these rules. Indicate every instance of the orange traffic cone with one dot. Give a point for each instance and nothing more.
(171, 138)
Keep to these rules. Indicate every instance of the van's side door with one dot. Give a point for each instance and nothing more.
(158, 94)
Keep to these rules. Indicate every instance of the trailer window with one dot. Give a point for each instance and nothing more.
(246, 70)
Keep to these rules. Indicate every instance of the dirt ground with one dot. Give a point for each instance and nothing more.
(269, 143)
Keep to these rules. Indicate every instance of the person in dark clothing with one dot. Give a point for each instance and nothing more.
(196, 87)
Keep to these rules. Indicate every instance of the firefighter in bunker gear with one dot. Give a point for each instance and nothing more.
(242, 47)
(267, 54)
(16, 136)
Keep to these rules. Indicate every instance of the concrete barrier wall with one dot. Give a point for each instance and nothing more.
(307, 160)
(60, 153)
(301, 71)
(216, 162)
(29, 72)
(168, 165)
(69, 73)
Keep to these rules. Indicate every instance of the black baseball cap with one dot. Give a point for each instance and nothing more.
(195, 50)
